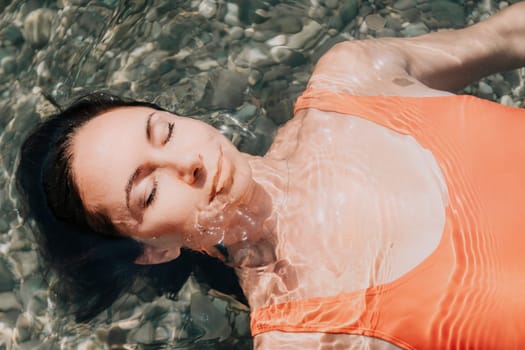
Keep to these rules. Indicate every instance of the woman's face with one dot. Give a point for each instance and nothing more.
(155, 175)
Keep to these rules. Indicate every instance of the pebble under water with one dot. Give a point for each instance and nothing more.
(237, 64)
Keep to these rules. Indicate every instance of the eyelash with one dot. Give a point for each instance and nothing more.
(170, 132)
(152, 195)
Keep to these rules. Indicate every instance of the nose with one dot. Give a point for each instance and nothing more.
(189, 167)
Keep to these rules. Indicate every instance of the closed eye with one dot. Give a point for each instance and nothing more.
(152, 195)
(170, 132)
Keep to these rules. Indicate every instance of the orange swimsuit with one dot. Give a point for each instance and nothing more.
(470, 292)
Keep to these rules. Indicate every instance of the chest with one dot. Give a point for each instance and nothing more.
(366, 205)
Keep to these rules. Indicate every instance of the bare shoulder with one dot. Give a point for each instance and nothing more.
(318, 341)
(367, 68)
(433, 64)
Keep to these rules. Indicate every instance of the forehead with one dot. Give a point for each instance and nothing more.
(105, 151)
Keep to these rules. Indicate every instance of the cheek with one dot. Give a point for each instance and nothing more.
(175, 209)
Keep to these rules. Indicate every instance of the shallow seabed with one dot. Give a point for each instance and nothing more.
(238, 64)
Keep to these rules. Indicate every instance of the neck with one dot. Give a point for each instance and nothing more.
(249, 230)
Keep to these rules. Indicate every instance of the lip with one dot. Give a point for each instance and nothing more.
(215, 180)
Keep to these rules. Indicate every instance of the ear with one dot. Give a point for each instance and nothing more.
(155, 255)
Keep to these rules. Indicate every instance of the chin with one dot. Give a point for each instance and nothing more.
(242, 184)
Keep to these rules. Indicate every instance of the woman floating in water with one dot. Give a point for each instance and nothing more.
(388, 213)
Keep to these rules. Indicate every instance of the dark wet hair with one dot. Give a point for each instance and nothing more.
(93, 263)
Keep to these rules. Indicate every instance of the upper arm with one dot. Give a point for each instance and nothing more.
(431, 64)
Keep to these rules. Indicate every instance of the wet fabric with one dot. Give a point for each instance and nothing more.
(469, 293)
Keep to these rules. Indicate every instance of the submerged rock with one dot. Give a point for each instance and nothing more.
(448, 13)
(246, 113)
(23, 329)
(349, 10)
(404, 4)
(206, 315)
(308, 37)
(11, 35)
(375, 22)
(145, 334)
(208, 8)
(256, 55)
(224, 90)
(8, 302)
(288, 24)
(7, 278)
(116, 336)
(415, 30)
(38, 27)
(288, 56)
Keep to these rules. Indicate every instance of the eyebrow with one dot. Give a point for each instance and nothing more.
(130, 183)
(136, 173)
(148, 125)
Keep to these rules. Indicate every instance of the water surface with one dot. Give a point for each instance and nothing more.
(239, 65)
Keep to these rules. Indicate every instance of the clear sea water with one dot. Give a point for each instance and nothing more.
(237, 64)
